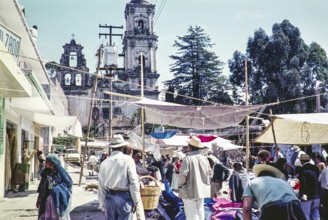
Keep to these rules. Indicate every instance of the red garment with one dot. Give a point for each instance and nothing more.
(206, 138)
(177, 167)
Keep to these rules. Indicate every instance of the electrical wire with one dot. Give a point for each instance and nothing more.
(185, 96)
(161, 7)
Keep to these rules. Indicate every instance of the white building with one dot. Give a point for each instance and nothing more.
(27, 115)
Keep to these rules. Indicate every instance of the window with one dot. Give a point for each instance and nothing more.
(73, 59)
(141, 24)
(78, 80)
(68, 79)
(143, 61)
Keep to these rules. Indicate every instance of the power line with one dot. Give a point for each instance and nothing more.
(160, 10)
(185, 96)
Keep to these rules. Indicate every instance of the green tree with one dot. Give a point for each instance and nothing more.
(197, 70)
(280, 67)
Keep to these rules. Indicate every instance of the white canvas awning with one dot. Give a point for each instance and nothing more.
(179, 141)
(299, 129)
(223, 145)
(71, 122)
(198, 117)
(146, 101)
(137, 143)
(13, 82)
(100, 144)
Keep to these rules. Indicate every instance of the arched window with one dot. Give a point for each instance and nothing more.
(78, 80)
(141, 24)
(143, 60)
(68, 78)
(73, 59)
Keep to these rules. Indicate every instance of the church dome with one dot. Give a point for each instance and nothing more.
(145, 2)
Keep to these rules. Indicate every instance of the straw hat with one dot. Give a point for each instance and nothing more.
(118, 141)
(263, 167)
(195, 142)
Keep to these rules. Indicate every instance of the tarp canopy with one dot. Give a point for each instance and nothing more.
(179, 141)
(71, 122)
(146, 101)
(136, 143)
(198, 117)
(298, 129)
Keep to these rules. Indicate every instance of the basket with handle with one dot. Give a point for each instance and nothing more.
(150, 194)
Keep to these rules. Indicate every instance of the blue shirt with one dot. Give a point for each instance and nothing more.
(267, 189)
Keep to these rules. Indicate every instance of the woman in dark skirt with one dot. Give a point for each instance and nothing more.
(55, 189)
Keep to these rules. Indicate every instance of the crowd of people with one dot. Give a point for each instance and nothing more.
(193, 176)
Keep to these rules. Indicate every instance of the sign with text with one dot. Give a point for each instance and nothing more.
(10, 40)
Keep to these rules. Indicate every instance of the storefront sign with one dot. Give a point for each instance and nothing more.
(10, 40)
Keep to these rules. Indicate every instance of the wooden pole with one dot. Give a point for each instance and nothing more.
(94, 90)
(142, 109)
(246, 83)
(273, 132)
(247, 118)
(247, 144)
(110, 131)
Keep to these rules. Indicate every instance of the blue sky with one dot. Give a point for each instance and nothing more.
(229, 23)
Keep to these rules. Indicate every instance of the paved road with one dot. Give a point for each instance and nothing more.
(21, 205)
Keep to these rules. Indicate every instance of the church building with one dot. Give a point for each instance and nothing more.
(139, 52)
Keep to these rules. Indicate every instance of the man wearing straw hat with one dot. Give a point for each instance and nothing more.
(194, 180)
(119, 189)
(273, 196)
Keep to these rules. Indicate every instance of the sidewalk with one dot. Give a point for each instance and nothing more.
(21, 205)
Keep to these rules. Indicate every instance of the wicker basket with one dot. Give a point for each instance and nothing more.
(150, 194)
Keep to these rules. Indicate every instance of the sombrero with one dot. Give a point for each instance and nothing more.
(263, 167)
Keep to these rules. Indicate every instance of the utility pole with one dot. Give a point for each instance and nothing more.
(94, 90)
(142, 108)
(246, 83)
(110, 70)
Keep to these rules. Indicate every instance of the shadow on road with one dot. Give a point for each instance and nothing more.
(87, 211)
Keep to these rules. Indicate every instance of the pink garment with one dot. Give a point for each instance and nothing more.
(224, 215)
(225, 203)
(50, 212)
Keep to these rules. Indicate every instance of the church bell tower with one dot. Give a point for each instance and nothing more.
(140, 45)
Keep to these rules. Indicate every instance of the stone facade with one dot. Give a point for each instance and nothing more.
(72, 74)
(140, 44)
(73, 78)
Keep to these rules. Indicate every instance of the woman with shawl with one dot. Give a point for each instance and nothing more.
(55, 189)
(238, 182)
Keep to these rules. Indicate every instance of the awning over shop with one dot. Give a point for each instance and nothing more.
(13, 82)
(71, 122)
(32, 104)
(299, 129)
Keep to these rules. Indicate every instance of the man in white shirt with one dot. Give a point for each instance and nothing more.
(277, 154)
(119, 189)
(92, 162)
